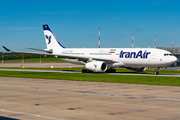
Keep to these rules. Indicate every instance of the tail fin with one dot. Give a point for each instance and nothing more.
(51, 41)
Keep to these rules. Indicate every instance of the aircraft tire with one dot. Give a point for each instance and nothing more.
(107, 71)
(110, 70)
(89, 71)
(84, 71)
(156, 72)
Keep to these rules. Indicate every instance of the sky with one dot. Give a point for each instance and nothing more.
(75, 23)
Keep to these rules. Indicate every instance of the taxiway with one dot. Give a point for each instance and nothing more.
(41, 99)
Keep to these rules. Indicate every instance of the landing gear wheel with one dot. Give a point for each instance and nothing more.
(89, 71)
(110, 70)
(107, 71)
(156, 72)
(114, 70)
(86, 71)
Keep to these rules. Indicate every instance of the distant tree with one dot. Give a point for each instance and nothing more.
(14, 56)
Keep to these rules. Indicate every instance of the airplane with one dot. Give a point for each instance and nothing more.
(105, 59)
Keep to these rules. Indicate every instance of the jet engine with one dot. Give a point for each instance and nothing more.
(97, 66)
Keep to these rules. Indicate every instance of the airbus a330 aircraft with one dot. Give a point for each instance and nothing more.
(104, 59)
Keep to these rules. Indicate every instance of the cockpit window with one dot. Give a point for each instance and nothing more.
(167, 54)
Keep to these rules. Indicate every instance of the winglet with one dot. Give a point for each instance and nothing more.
(6, 48)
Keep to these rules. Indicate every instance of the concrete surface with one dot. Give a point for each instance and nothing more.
(41, 99)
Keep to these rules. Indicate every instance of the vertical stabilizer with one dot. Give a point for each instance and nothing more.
(51, 41)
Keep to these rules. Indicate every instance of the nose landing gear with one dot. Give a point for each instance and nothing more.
(156, 71)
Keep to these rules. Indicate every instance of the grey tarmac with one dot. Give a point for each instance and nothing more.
(41, 99)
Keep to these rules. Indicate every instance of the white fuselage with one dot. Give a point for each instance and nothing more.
(128, 57)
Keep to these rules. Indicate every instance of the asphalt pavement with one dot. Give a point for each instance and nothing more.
(42, 99)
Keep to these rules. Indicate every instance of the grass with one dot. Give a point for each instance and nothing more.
(95, 77)
(121, 70)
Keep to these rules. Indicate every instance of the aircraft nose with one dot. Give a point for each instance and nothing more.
(174, 59)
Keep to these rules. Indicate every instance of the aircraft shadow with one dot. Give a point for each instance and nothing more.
(7, 118)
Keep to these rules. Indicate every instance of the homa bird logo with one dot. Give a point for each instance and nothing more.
(48, 38)
(95, 65)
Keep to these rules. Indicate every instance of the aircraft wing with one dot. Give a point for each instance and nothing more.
(35, 49)
(8, 50)
(76, 59)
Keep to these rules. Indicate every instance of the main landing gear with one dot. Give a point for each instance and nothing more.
(156, 71)
(107, 71)
(86, 71)
(110, 70)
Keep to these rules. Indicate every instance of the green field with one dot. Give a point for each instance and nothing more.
(95, 77)
(120, 70)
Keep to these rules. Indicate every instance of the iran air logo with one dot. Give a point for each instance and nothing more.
(139, 54)
(48, 38)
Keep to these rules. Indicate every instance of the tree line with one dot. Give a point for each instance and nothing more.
(14, 56)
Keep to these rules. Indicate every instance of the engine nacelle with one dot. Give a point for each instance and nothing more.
(97, 66)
